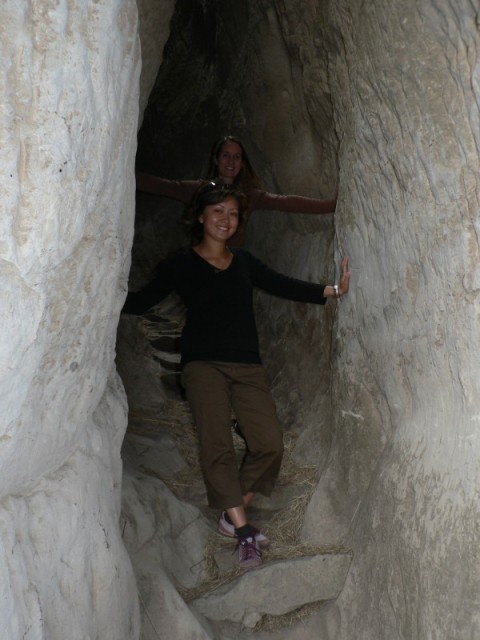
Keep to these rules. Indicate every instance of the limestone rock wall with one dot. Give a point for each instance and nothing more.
(377, 101)
(69, 83)
(403, 478)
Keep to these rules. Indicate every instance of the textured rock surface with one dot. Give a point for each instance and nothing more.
(161, 531)
(386, 406)
(403, 480)
(69, 83)
(166, 541)
(169, 616)
(276, 589)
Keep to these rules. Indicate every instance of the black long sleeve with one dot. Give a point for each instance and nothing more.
(220, 322)
(138, 302)
(280, 285)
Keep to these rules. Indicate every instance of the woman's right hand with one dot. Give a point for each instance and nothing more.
(344, 282)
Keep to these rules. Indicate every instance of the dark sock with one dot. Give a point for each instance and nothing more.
(227, 517)
(247, 531)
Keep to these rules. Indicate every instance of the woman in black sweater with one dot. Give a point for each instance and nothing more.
(222, 368)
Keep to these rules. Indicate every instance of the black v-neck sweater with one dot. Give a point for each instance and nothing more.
(220, 322)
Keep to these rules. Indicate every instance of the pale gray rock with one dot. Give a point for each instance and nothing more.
(64, 556)
(166, 614)
(160, 531)
(276, 588)
(402, 481)
(69, 83)
(157, 455)
(149, 376)
(166, 541)
(378, 101)
(226, 556)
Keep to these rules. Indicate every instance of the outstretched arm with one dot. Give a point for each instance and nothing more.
(291, 288)
(290, 204)
(182, 190)
(139, 302)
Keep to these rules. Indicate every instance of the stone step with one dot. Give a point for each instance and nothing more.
(275, 588)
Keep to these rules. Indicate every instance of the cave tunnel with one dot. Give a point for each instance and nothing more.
(105, 533)
(224, 66)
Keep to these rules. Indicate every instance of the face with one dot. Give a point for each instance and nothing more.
(220, 221)
(229, 161)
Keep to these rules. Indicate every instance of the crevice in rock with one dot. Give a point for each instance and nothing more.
(195, 100)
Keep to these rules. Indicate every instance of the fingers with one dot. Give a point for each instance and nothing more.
(345, 276)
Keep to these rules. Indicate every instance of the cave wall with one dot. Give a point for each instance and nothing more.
(403, 476)
(69, 80)
(376, 101)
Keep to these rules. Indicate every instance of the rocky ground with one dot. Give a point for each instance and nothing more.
(190, 585)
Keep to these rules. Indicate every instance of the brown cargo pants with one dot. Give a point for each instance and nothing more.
(213, 389)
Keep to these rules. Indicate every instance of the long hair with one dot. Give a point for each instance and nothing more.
(247, 177)
(211, 192)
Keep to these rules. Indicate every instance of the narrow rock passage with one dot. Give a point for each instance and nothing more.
(180, 560)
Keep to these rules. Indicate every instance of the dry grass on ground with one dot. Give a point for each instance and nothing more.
(283, 528)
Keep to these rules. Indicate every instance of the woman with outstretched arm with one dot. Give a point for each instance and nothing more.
(231, 165)
(222, 367)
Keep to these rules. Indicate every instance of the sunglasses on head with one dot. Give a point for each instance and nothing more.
(216, 185)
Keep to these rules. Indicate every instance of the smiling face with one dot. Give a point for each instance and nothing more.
(229, 161)
(220, 221)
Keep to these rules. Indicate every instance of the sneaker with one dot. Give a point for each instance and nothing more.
(227, 529)
(249, 554)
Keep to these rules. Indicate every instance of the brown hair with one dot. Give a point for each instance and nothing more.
(247, 178)
(211, 192)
